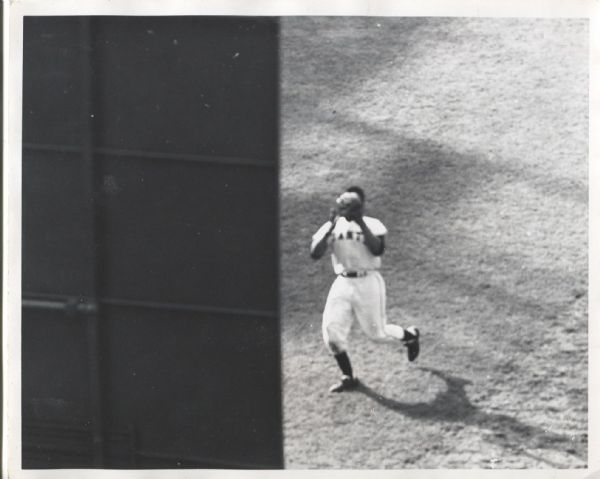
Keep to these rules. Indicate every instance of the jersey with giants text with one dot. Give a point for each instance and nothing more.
(349, 252)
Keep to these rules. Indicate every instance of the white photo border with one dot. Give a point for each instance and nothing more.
(15, 10)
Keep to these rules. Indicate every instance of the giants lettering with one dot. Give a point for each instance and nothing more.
(358, 236)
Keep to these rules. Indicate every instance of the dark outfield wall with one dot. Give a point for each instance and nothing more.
(150, 262)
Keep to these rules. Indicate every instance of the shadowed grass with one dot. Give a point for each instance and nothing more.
(453, 404)
(470, 138)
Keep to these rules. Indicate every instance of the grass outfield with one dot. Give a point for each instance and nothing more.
(470, 139)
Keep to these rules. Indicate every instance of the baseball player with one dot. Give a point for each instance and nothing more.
(358, 292)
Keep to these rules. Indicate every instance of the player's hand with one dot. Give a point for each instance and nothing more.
(350, 206)
(334, 214)
(355, 213)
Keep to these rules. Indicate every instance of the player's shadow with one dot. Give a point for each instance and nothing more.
(453, 405)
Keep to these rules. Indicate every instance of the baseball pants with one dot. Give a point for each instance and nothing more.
(360, 299)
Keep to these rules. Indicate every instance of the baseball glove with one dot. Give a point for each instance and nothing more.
(349, 205)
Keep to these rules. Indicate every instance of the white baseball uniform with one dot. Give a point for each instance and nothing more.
(359, 290)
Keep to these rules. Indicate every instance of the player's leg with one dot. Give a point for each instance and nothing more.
(337, 324)
(409, 336)
(370, 309)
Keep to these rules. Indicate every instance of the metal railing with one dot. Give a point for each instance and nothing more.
(154, 155)
(85, 305)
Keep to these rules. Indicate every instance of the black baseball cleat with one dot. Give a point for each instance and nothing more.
(347, 383)
(412, 342)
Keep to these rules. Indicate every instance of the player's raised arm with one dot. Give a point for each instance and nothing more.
(354, 212)
(318, 245)
(375, 244)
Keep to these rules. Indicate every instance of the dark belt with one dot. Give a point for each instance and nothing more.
(353, 274)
